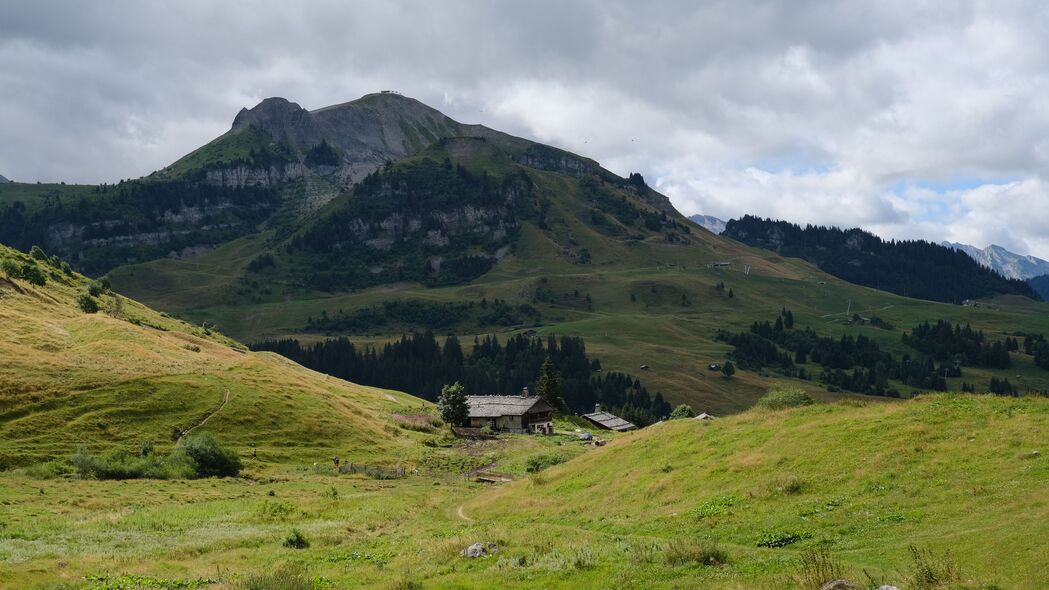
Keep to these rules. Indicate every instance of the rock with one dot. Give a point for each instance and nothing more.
(839, 585)
(887, 587)
(475, 550)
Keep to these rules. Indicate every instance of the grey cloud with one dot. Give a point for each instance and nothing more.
(812, 111)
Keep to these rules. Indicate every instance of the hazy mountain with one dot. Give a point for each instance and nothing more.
(3, 180)
(1008, 264)
(709, 222)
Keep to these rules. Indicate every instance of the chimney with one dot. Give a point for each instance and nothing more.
(597, 408)
(524, 392)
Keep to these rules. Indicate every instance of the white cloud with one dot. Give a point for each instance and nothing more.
(836, 112)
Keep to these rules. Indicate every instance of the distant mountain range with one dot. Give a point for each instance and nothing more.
(3, 180)
(1008, 264)
(709, 222)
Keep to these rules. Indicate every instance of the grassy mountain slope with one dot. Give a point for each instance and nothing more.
(863, 481)
(128, 374)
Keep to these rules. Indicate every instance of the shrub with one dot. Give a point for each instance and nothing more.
(773, 539)
(37, 253)
(296, 540)
(87, 303)
(210, 457)
(781, 397)
(690, 551)
(683, 411)
(121, 464)
(540, 462)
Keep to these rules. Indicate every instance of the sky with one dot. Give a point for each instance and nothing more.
(912, 119)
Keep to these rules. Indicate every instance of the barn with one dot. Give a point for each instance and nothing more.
(511, 413)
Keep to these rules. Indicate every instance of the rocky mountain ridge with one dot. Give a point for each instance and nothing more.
(1008, 264)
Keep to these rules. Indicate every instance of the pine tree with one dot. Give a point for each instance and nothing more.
(548, 387)
(452, 404)
(728, 369)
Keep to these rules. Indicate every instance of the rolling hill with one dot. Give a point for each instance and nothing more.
(312, 224)
(126, 374)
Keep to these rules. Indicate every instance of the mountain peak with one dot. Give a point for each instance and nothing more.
(4, 180)
(1008, 264)
(270, 113)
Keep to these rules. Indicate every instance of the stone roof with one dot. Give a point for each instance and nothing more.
(609, 421)
(493, 406)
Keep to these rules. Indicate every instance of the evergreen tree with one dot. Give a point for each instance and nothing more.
(452, 404)
(728, 369)
(548, 387)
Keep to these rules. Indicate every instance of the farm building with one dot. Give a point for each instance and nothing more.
(511, 413)
(608, 421)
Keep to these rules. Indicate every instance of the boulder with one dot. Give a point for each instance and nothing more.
(475, 550)
(887, 587)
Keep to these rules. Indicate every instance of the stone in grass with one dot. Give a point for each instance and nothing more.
(479, 550)
(887, 587)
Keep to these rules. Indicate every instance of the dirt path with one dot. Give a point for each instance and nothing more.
(463, 515)
(225, 400)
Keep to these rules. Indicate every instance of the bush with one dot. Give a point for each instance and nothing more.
(682, 411)
(540, 462)
(210, 457)
(87, 303)
(121, 464)
(931, 572)
(773, 539)
(296, 540)
(37, 253)
(781, 397)
(689, 551)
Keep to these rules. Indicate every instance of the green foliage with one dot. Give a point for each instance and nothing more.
(778, 538)
(36, 253)
(716, 506)
(728, 369)
(538, 463)
(133, 582)
(210, 457)
(87, 303)
(295, 540)
(548, 387)
(122, 464)
(782, 396)
(26, 271)
(932, 572)
(322, 154)
(452, 404)
(682, 411)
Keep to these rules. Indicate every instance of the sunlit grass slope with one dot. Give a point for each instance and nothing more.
(128, 374)
(964, 474)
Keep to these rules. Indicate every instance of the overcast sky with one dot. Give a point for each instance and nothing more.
(909, 118)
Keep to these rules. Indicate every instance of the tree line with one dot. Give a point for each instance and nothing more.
(421, 365)
(911, 268)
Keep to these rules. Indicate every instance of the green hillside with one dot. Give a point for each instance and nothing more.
(127, 374)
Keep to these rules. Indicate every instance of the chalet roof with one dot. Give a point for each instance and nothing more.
(609, 421)
(493, 406)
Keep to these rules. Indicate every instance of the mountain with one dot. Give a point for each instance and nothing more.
(301, 225)
(910, 268)
(1006, 263)
(1041, 285)
(709, 223)
(3, 180)
(125, 374)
